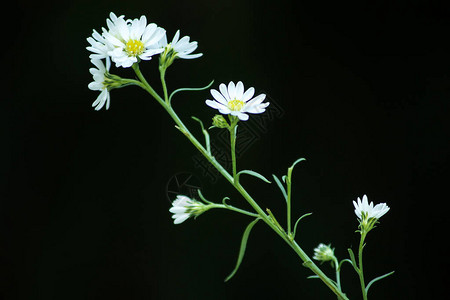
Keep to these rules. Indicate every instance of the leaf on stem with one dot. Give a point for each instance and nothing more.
(296, 223)
(353, 260)
(343, 261)
(376, 279)
(280, 185)
(242, 248)
(189, 89)
(296, 162)
(205, 133)
(203, 198)
(253, 173)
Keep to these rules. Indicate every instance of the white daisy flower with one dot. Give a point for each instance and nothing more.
(133, 40)
(184, 207)
(367, 213)
(182, 47)
(99, 83)
(232, 100)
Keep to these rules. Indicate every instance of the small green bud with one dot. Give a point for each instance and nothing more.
(167, 57)
(220, 122)
(324, 253)
(113, 81)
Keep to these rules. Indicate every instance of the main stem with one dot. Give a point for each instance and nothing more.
(292, 243)
(233, 146)
(360, 262)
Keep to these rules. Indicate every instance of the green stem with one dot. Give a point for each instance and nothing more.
(360, 258)
(303, 256)
(233, 130)
(162, 72)
(338, 274)
(288, 210)
(229, 207)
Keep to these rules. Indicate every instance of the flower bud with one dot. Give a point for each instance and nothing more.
(167, 57)
(220, 122)
(324, 253)
(113, 81)
(184, 207)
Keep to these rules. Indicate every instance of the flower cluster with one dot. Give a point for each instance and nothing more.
(126, 42)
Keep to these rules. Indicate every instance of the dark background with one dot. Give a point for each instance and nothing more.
(362, 90)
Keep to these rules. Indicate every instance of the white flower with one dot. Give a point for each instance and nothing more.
(184, 207)
(234, 101)
(365, 210)
(133, 40)
(182, 47)
(368, 214)
(99, 83)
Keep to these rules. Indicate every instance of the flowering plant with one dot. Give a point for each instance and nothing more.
(129, 42)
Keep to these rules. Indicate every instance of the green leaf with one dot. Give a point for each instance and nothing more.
(352, 257)
(376, 279)
(280, 185)
(205, 134)
(253, 173)
(242, 249)
(343, 261)
(296, 223)
(189, 89)
(296, 162)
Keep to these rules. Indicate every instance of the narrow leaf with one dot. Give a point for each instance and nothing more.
(352, 257)
(280, 185)
(296, 223)
(242, 249)
(296, 162)
(343, 261)
(189, 89)
(376, 279)
(253, 173)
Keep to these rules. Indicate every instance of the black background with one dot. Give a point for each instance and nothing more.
(363, 87)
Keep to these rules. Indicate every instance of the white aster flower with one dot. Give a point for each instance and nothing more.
(232, 100)
(184, 207)
(100, 83)
(367, 213)
(133, 40)
(181, 48)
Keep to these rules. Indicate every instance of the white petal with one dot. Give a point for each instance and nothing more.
(239, 90)
(242, 116)
(223, 89)
(181, 219)
(248, 94)
(232, 90)
(218, 96)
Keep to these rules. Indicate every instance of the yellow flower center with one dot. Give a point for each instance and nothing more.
(134, 47)
(236, 105)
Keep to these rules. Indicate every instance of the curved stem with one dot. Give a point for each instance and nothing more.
(338, 274)
(260, 212)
